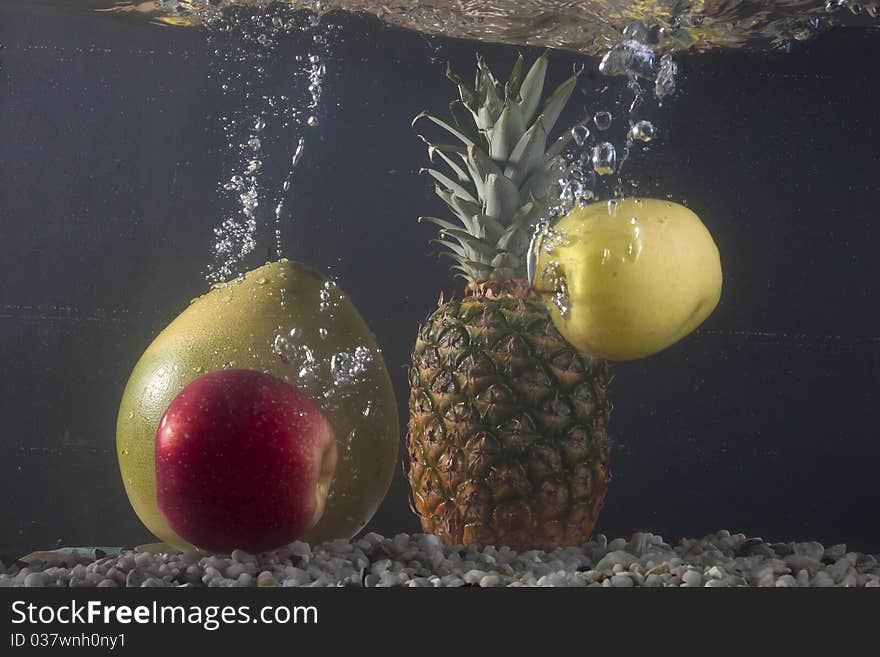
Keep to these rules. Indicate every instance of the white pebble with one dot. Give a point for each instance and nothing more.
(474, 576)
(430, 542)
(300, 549)
(786, 581)
(192, 556)
(822, 580)
(243, 557)
(143, 560)
(152, 582)
(692, 578)
(653, 580)
(237, 568)
(716, 572)
(134, 579)
(850, 580)
(266, 579)
(834, 552)
(813, 550)
(839, 569)
(35, 580)
(621, 581)
(379, 567)
(607, 562)
(617, 544)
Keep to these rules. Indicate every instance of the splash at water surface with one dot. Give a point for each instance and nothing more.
(588, 26)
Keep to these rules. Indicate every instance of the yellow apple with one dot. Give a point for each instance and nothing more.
(625, 279)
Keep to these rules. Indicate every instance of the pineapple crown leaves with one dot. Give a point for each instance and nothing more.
(500, 174)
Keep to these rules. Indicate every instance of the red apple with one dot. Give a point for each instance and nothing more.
(243, 460)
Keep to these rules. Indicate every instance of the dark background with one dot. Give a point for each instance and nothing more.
(764, 421)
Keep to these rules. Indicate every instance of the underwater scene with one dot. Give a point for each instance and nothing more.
(439, 294)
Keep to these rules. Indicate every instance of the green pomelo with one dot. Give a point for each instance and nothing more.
(236, 325)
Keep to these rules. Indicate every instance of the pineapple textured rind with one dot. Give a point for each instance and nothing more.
(508, 441)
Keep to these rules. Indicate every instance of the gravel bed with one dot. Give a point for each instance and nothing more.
(718, 560)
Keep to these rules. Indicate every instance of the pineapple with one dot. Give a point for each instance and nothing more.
(508, 441)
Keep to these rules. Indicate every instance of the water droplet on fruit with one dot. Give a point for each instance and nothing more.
(555, 279)
(534, 245)
(306, 374)
(312, 121)
(346, 368)
(282, 348)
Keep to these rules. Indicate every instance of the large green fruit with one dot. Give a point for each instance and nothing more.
(288, 320)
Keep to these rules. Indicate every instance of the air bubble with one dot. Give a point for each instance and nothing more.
(298, 153)
(602, 120)
(642, 131)
(629, 57)
(664, 85)
(604, 158)
(579, 134)
(636, 31)
(282, 348)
